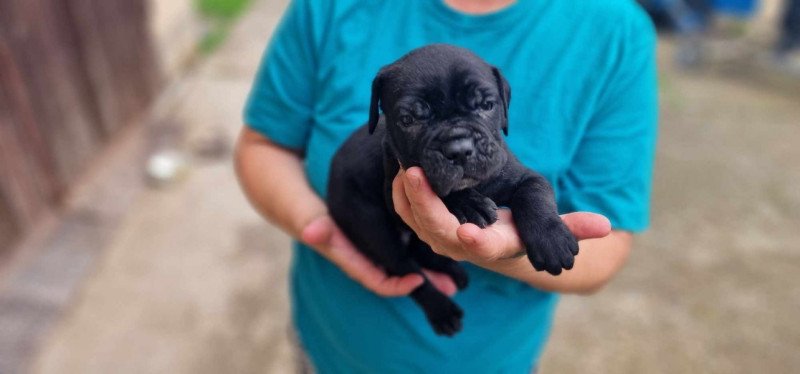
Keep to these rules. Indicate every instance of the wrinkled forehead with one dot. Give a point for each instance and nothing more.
(439, 83)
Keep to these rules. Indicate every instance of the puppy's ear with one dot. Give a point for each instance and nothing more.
(505, 95)
(374, 105)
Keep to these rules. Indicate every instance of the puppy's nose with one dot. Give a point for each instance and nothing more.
(459, 149)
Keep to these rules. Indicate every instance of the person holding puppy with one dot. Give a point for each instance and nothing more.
(582, 75)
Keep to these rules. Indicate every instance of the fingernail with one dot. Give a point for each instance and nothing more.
(467, 239)
(414, 179)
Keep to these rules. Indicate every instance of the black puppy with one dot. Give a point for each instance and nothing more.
(444, 110)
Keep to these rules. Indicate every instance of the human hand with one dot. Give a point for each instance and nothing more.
(323, 234)
(426, 214)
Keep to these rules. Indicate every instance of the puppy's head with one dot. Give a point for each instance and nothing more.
(445, 109)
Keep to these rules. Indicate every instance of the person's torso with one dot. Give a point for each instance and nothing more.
(556, 56)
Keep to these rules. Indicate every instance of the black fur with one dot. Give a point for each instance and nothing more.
(444, 109)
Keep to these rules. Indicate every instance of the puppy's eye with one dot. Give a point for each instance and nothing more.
(487, 105)
(406, 119)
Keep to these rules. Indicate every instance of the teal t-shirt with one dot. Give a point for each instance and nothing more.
(583, 114)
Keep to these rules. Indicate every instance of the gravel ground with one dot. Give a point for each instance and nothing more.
(195, 282)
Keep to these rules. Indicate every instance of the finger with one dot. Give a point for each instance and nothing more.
(323, 234)
(499, 240)
(318, 231)
(585, 225)
(429, 211)
(362, 270)
(490, 243)
(401, 204)
(398, 286)
(441, 281)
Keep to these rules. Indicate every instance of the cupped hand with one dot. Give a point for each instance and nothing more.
(323, 234)
(426, 214)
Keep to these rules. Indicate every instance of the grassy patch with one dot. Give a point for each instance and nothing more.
(220, 15)
(225, 10)
(212, 39)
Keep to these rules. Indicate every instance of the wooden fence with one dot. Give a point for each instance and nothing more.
(72, 73)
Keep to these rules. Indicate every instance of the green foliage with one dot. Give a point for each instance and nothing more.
(224, 10)
(212, 39)
(220, 15)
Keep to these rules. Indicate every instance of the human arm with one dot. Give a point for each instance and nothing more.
(273, 180)
(609, 171)
(602, 251)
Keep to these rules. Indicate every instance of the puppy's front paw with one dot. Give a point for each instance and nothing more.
(470, 206)
(445, 317)
(552, 249)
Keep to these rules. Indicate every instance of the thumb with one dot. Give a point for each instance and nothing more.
(585, 225)
(318, 231)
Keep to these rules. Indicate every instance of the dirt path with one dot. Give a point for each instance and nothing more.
(713, 287)
(195, 282)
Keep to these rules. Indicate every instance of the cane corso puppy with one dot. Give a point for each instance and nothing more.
(445, 110)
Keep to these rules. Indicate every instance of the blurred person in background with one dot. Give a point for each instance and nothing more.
(694, 18)
(788, 47)
(583, 114)
(691, 19)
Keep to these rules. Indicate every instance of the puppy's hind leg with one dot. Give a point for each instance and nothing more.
(442, 313)
(381, 243)
(429, 259)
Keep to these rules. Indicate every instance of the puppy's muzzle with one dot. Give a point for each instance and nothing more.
(459, 151)
(457, 145)
(460, 157)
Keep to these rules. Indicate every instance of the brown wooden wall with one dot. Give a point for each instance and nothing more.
(72, 73)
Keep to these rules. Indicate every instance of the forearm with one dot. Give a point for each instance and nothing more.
(596, 264)
(273, 179)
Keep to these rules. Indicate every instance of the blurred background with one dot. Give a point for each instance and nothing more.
(127, 247)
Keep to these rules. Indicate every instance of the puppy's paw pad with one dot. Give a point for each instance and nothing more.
(554, 250)
(468, 214)
(470, 206)
(460, 215)
(446, 318)
(487, 212)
